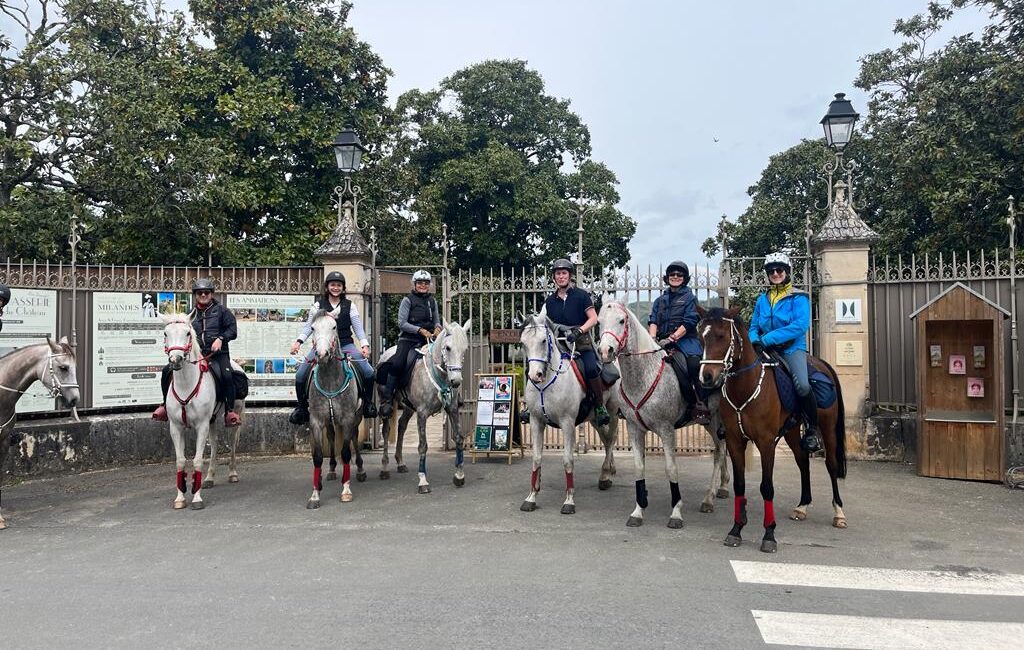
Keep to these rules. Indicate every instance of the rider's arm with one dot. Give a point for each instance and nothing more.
(403, 317)
(652, 320)
(755, 334)
(690, 319)
(801, 310)
(591, 320)
(228, 325)
(437, 316)
(357, 326)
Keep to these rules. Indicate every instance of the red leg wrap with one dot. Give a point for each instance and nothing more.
(181, 481)
(346, 473)
(769, 513)
(568, 481)
(534, 480)
(740, 507)
(197, 481)
(317, 483)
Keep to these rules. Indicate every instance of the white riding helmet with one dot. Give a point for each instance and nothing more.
(778, 259)
(421, 276)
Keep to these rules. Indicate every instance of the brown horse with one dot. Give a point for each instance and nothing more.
(752, 411)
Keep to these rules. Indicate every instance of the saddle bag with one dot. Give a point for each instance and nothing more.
(241, 384)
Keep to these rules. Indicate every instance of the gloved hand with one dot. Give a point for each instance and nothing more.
(573, 334)
(666, 343)
(759, 349)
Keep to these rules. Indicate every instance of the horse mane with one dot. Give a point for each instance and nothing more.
(720, 313)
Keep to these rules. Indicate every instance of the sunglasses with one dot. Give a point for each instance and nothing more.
(204, 292)
(676, 274)
(777, 269)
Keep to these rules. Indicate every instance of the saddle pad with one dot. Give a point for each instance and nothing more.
(822, 385)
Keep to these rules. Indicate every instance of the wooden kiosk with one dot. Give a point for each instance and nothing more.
(960, 378)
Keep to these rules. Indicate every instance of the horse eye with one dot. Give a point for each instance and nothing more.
(622, 321)
(447, 348)
(64, 368)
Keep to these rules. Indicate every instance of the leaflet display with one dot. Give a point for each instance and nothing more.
(267, 327)
(30, 317)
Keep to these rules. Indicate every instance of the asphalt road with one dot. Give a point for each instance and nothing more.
(101, 560)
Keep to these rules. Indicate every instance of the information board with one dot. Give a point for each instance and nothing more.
(29, 318)
(495, 427)
(267, 327)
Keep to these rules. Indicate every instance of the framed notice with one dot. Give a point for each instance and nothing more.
(29, 318)
(979, 356)
(957, 364)
(496, 425)
(267, 326)
(975, 387)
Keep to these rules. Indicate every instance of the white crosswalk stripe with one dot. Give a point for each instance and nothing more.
(883, 633)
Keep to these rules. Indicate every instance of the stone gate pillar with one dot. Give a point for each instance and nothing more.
(842, 247)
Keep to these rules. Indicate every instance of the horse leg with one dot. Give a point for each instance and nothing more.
(537, 433)
(385, 429)
(838, 516)
(318, 462)
(360, 472)
(636, 443)
(178, 438)
(607, 434)
(332, 474)
(346, 468)
(569, 436)
(722, 458)
(202, 434)
(737, 448)
(767, 450)
(803, 463)
(403, 424)
(3, 524)
(236, 435)
(421, 425)
(208, 478)
(460, 474)
(668, 444)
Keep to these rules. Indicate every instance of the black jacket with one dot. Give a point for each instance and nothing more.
(214, 322)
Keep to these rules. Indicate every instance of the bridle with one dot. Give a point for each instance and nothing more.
(56, 385)
(623, 352)
(440, 383)
(623, 338)
(563, 357)
(727, 371)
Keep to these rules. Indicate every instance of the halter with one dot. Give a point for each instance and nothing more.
(203, 364)
(442, 385)
(622, 340)
(563, 356)
(54, 389)
(727, 372)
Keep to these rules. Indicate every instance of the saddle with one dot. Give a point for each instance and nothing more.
(237, 375)
(384, 367)
(821, 383)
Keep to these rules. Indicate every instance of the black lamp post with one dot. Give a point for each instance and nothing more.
(838, 124)
(349, 151)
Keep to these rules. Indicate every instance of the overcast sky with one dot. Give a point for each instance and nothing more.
(657, 82)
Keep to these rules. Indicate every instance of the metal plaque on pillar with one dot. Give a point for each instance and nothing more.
(848, 311)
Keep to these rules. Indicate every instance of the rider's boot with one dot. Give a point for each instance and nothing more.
(811, 441)
(369, 408)
(231, 419)
(600, 412)
(387, 393)
(160, 414)
(300, 414)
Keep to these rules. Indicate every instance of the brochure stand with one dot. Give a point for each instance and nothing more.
(496, 428)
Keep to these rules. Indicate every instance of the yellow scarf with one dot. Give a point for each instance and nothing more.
(776, 292)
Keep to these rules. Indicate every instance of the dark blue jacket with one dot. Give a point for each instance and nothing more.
(215, 321)
(672, 309)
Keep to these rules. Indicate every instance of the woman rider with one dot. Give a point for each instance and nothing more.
(573, 309)
(214, 326)
(349, 322)
(419, 322)
(673, 322)
(782, 316)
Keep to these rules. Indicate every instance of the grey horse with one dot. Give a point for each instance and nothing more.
(51, 364)
(334, 408)
(433, 386)
(553, 396)
(652, 401)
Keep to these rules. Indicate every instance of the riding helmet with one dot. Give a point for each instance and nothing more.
(202, 284)
(421, 276)
(335, 276)
(680, 266)
(776, 260)
(562, 264)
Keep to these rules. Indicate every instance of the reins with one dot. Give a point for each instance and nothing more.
(727, 372)
(623, 352)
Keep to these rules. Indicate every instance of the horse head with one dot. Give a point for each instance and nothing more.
(538, 341)
(58, 371)
(325, 333)
(454, 342)
(614, 322)
(179, 341)
(720, 332)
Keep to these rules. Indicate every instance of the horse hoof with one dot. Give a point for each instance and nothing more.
(798, 515)
(3, 525)
(568, 509)
(208, 483)
(675, 523)
(707, 507)
(361, 477)
(179, 505)
(423, 489)
(769, 546)
(604, 484)
(459, 482)
(312, 504)
(331, 476)
(233, 478)
(385, 475)
(722, 493)
(346, 498)
(839, 522)
(528, 506)
(402, 469)
(634, 522)
(732, 540)
(198, 505)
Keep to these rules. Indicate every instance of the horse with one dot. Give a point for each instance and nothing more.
(334, 408)
(191, 401)
(433, 386)
(650, 404)
(51, 364)
(557, 403)
(752, 411)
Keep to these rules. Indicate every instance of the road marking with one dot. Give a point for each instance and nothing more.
(840, 577)
(871, 633)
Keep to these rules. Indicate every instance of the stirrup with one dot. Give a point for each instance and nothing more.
(811, 441)
(524, 416)
(369, 410)
(299, 415)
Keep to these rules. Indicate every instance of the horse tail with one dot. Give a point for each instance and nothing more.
(840, 424)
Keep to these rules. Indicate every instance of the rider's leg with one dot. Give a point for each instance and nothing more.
(592, 372)
(165, 383)
(366, 371)
(397, 370)
(796, 361)
(222, 365)
(300, 414)
(685, 385)
(701, 415)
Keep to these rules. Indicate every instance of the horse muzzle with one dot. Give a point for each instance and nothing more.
(70, 396)
(455, 379)
(175, 360)
(711, 381)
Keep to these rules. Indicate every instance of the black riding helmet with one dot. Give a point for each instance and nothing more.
(202, 284)
(679, 266)
(562, 264)
(335, 276)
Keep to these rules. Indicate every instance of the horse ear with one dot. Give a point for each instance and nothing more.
(53, 346)
(467, 325)
(733, 313)
(543, 313)
(701, 311)
(336, 311)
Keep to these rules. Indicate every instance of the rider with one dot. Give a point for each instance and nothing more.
(349, 322)
(419, 321)
(215, 327)
(673, 322)
(782, 316)
(573, 309)
(5, 297)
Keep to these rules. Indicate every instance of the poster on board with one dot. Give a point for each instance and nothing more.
(267, 327)
(29, 318)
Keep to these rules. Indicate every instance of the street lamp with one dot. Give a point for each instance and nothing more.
(838, 124)
(76, 229)
(580, 211)
(348, 151)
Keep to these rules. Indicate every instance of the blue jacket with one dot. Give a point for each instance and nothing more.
(785, 325)
(672, 309)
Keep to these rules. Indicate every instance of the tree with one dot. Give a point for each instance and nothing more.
(500, 162)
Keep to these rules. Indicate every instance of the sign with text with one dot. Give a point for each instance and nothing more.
(267, 327)
(30, 317)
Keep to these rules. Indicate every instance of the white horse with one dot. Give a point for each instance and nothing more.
(652, 401)
(334, 407)
(192, 402)
(433, 386)
(53, 365)
(553, 397)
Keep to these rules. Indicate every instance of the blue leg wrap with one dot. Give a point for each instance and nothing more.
(458, 458)
(641, 493)
(423, 464)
